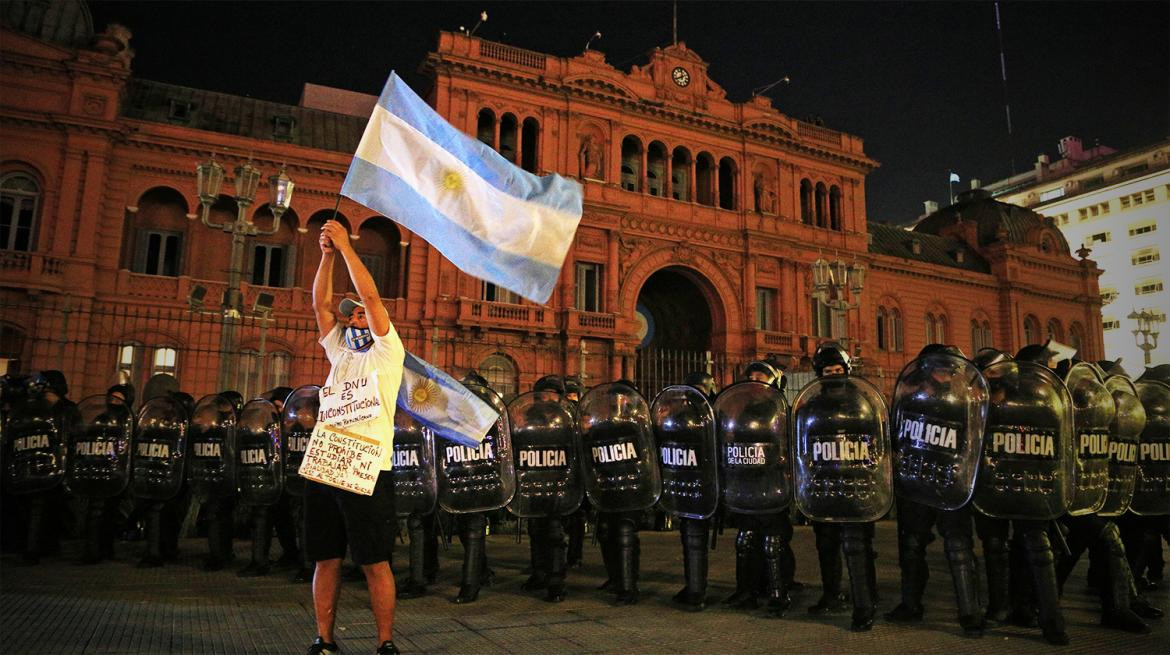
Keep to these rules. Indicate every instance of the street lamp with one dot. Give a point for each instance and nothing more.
(830, 282)
(1146, 334)
(208, 180)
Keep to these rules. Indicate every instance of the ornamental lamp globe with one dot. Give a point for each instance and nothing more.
(281, 187)
(208, 180)
(247, 182)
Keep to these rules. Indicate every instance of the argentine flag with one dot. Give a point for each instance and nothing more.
(441, 403)
(491, 218)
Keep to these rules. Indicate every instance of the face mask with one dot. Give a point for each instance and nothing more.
(359, 339)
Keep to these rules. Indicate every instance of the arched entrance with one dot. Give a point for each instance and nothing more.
(674, 327)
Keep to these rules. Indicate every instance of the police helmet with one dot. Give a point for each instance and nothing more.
(828, 354)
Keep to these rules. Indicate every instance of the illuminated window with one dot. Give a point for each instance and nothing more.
(1142, 228)
(1145, 256)
(1147, 287)
(20, 199)
(500, 373)
(589, 287)
(765, 309)
(165, 359)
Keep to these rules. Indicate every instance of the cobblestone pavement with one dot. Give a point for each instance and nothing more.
(114, 607)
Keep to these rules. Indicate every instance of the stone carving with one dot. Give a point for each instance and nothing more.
(765, 193)
(591, 158)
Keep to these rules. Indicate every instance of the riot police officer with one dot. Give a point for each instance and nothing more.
(575, 522)
(939, 408)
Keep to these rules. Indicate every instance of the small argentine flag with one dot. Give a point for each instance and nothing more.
(954, 177)
(441, 403)
(491, 218)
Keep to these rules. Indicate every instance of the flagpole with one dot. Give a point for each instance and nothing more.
(951, 185)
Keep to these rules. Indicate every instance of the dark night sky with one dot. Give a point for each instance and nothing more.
(918, 81)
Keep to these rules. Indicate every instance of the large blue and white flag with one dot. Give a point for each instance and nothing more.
(441, 403)
(491, 218)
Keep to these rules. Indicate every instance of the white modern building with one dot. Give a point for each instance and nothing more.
(1117, 204)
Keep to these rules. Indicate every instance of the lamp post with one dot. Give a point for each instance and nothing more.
(832, 284)
(1146, 334)
(209, 178)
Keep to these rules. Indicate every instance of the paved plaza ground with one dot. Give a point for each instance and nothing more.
(114, 607)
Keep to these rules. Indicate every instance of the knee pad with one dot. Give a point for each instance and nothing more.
(775, 545)
(745, 541)
(960, 548)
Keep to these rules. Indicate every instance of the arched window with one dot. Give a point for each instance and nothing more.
(705, 179)
(129, 363)
(631, 163)
(279, 369)
(835, 207)
(248, 374)
(806, 202)
(656, 169)
(727, 182)
(1076, 336)
(500, 373)
(980, 335)
(165, 361)
(155, 243)
(20, 203)
(529, 140)
(1031, 330)
(1053, 330)
(680, 174)
(822, 205)
(272, 260)
(883, 342)
(485, 127)
(509, 132)
(896, 343)
(936, 329)
(379, 248)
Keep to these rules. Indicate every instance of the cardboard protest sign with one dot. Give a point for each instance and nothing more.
(346, 402)
(342, 459)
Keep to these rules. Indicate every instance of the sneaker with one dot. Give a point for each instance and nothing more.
(387, 648)
(322, 647)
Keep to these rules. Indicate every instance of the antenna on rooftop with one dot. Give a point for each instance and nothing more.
(596, 35)
(481, 21)
(1007, 108)
(760, 90)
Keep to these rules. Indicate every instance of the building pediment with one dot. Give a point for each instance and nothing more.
(604, 84)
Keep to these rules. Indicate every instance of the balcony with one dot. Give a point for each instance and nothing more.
(498, 315)
(767, 341)
(31, 270)
(594, 324)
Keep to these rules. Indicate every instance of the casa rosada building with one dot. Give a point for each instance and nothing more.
(703, 218)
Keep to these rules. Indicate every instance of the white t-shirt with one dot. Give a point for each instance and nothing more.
(385, 356)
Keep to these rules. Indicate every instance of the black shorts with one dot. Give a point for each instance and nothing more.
(335, 518)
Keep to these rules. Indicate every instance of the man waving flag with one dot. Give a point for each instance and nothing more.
(491, 218)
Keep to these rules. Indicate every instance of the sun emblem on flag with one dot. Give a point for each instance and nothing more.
(451, 180)
(426, 397)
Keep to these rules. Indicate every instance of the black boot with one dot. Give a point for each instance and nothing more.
(1040, 559)
(627, 547)
(607, 543)
(415, 585)
(557, 547)
(1116, 612)
(960, 550)
(828, 539)
(153, 556)
(998, 563)
(779, 600)
(912, 562)
(858, 548)
(94, 525)
(261, 543)
(575, 527)
(744, 596)
(473, 559)
(693, 533)
(538, 552)
(431, 547)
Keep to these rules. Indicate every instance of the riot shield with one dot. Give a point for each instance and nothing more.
(841, 450)
(1124, 436)
(1151, 494)
(159, 450)
(1093, 412)
(617, 449)
(481, 478)
(751, 433)
(297, 424)
(1026, 471)
(212, 467)
(684, 431)
(99, 449)
(35, 448)
(415, 485)
(545, 444)
(261, 449)
(938, 414)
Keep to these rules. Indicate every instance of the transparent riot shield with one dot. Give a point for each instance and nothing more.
(684, 432)
(35, 448)
(481, 478)
(1093, 412)
(617, 449)
(212, 467)
(159, 450)
(416, 489)
(261, 453)
(1125, 434)
(751, 433)
(545, 444)
(1151, 494)
(1029, 453)
(99, 449)
(938, 415)
(841, 450)
(297, 423)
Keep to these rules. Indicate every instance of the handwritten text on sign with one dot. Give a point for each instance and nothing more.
(346, 402)
(342, 459)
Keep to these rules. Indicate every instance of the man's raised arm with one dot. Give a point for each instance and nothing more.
(323, 287)
(363, 282)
